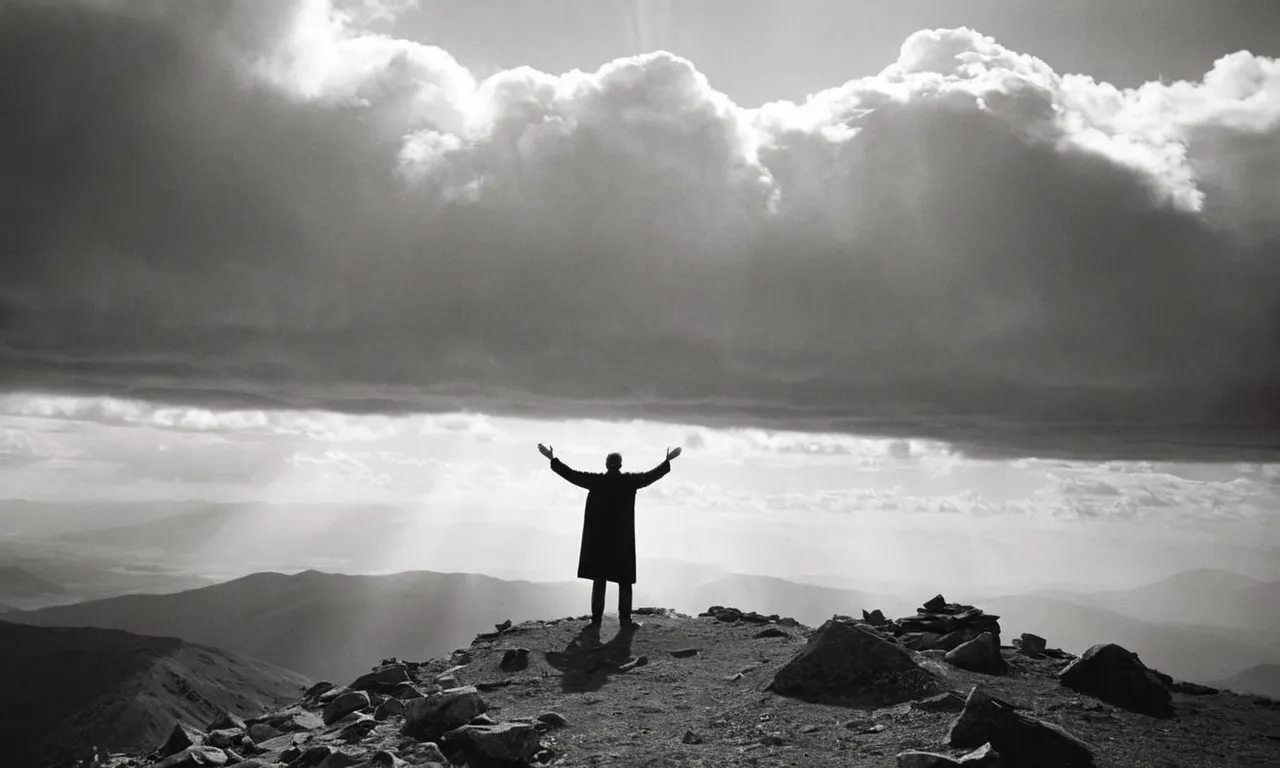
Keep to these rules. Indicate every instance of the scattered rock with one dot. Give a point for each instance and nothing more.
(504, 626)
(981, 654)
(430, 715)
(787, 621)
(482, 719)
(194, 757)
(345, 704)
(639, 661)
(316, 690)
(935, 604)
(684, 653)
(224, 738)
(514, 742)
(875, 618)
(690, 737)
(849, 664)
(1115, 675)
(810, 728)
(182, 737)
(982, 757)
(448, 681)
(388, 708)
(339, 759)
(384, 759)
(514, 659)
(553, 719)
(358, 730)
(1032, 645)
(770, 632)
(382, 680)
(1194, 689)
(1022, 741)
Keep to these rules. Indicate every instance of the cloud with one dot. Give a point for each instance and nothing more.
(264, 206)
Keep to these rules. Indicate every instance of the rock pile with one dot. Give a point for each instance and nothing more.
(944, 626)
(352, 726)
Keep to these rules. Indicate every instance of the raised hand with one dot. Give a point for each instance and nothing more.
(547, 451)
(673, 452)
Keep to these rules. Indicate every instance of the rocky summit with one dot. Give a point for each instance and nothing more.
(737, 688)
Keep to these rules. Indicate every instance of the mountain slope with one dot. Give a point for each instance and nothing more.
(326, 625)
(1263, 679)
(69, 689)
(17, 584)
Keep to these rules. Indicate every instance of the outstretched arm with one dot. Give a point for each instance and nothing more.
(652, 476)
(580, 479)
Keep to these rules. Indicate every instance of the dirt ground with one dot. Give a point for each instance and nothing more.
(707, 706)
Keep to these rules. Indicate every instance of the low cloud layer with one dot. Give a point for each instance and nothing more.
(259, 204)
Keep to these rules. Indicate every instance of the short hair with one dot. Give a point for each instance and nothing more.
(613, 461)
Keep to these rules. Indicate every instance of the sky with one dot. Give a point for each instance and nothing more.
(927, 266)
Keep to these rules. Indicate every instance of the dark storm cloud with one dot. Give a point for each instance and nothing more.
(210, 204)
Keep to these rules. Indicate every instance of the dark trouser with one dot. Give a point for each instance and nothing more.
(597, 600)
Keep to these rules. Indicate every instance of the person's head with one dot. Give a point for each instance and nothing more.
(613, 462)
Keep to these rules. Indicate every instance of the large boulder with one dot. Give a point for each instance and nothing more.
(381, 680)
(851, 665)
(1021, 741)
(430, 716)
(1108, 672)
(509, 742)
(981, 654)
(345, 704)
(182, 737)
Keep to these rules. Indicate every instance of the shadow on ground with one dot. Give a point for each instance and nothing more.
(585, 664)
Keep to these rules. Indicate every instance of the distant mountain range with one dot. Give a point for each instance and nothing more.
(1263, 679)
(66, 690)
(330, 625)
(1203, 596)
(18, 586)
(327, 625)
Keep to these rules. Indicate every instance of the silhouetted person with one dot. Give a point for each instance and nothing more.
(608, 550)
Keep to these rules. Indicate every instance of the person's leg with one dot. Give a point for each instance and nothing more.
(624, 603)
(597, 601)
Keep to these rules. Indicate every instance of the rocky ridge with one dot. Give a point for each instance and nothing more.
(733, 687)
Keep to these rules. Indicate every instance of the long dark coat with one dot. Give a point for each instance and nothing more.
(609, 522)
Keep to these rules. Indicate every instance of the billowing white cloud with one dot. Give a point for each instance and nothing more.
(265, 204)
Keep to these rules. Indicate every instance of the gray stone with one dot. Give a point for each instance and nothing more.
(981, 654)
(943, 702)
(514, 659)
(224, 738)
(684, 653)
(382, 680)
(339, 759)
(1032, 645)
(847, 664)
(916, 759)
(348, 702)
(553, 719)
(1022, 741)
(770, 632)
(180, 738)
(405, 691)
(388, 708)
(690, 737)
(447, 709)
(194, 757)
(935, 604)
(315, 691)
(1109, 672)
(515, 742)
